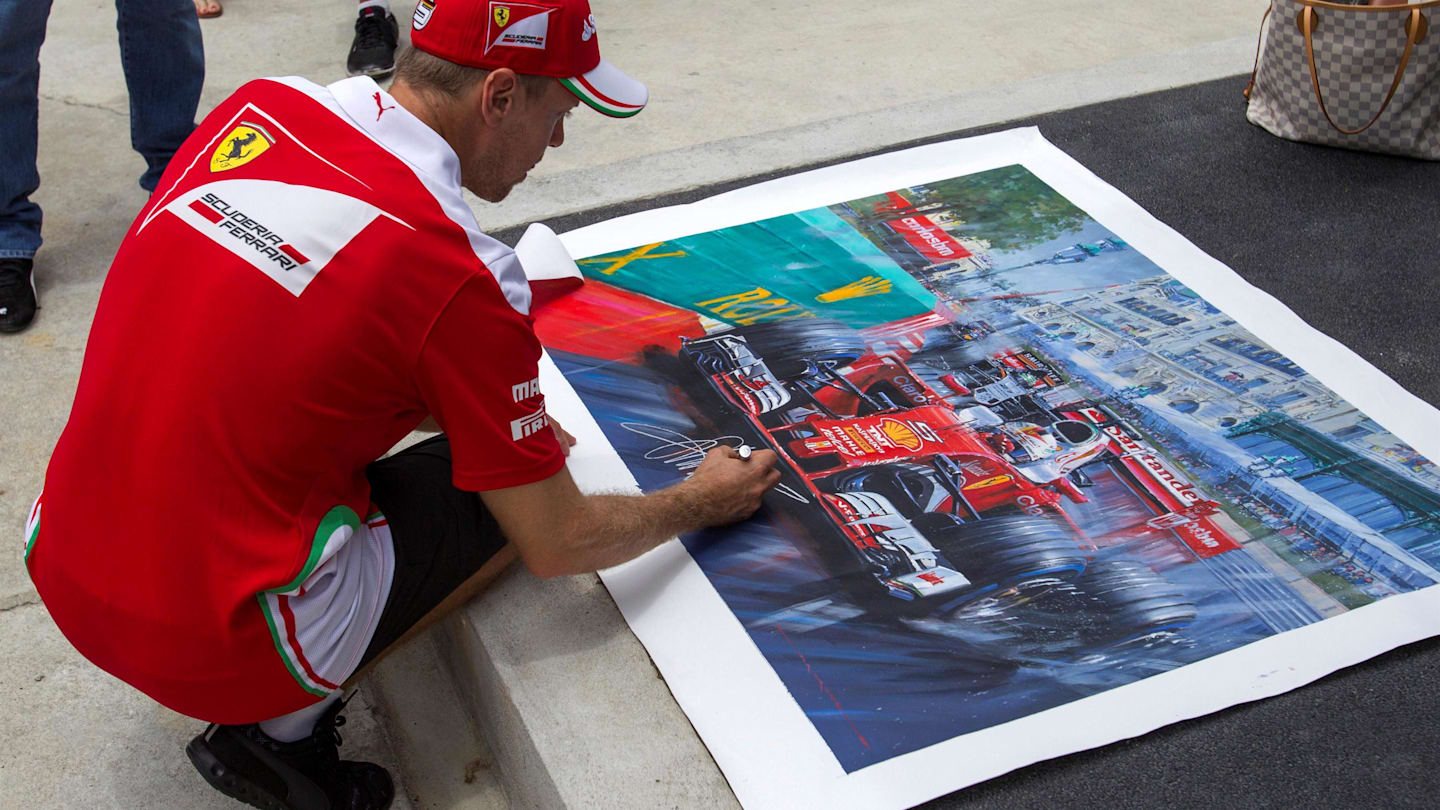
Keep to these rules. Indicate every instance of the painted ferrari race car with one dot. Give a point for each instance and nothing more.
(934, 491)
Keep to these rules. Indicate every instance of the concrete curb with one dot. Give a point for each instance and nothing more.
(577, 714)
(433, 740)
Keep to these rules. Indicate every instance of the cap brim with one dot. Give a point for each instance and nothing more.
(609, 90)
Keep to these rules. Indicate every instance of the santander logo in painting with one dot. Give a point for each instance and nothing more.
(1147, 458)
(928, 239)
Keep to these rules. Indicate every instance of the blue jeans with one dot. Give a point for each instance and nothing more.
(164, 65)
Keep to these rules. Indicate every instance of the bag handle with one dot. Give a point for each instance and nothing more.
(1258, 41)
(1415, 28)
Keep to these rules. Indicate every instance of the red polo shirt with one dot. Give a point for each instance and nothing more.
(304, 287)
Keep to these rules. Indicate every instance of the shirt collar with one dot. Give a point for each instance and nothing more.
(397, 129)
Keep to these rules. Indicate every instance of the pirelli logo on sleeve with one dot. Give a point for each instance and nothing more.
(531, 423)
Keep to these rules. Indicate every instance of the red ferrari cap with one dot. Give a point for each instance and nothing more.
(542, 38)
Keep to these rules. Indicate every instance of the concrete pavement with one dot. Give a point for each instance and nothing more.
(737, 89)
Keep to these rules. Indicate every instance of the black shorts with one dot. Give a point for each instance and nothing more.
(442, 535)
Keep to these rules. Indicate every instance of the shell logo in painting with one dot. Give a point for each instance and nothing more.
(902, 434)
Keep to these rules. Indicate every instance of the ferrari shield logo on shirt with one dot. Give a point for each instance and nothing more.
(288, 232)
(422, 13)
(244, 143)
(517, 25)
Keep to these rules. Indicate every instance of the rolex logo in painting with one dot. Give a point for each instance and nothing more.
(867, 286)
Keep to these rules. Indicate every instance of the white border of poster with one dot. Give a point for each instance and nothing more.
(768, 750)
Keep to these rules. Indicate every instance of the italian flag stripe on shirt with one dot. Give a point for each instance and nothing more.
(338, 525)
(32, 527)
(294, 662)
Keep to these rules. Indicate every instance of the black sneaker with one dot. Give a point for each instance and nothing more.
(373, 51)
(17, 294)
(245, 764)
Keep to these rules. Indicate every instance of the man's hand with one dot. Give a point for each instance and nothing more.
(729, 488)
(562, 436)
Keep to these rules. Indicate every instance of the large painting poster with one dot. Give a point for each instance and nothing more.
(1052, 477)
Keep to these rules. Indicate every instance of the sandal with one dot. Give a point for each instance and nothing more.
(208, 9)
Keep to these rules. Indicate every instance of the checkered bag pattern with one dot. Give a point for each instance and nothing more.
(1356, 56)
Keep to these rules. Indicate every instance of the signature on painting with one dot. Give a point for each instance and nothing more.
(685, 453)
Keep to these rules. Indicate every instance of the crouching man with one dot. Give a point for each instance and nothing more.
(305, 287)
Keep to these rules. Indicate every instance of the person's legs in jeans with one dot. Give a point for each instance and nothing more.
(164, 62)
(22, 30)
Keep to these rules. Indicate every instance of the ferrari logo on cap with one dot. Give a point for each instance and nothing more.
(244, 143)
(517, 25)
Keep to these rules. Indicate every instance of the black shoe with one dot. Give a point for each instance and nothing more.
(17, 294)
(373, 51)
(245, 764)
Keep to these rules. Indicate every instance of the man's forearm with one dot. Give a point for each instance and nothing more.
(612, 529)
(558, 530)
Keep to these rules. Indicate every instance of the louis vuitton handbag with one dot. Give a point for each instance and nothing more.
(1355, 76)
